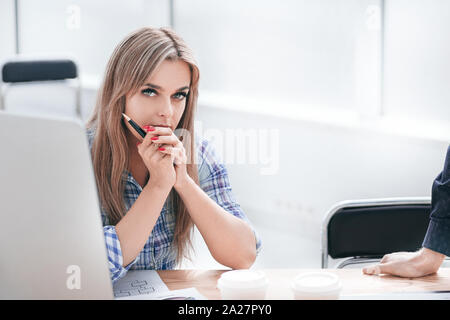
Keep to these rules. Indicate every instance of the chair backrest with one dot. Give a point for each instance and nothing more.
(373, 228)
(38, 70)
(25, 70)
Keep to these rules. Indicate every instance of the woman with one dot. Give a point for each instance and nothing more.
(152, 190)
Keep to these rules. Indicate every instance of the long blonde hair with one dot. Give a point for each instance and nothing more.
(132, 62)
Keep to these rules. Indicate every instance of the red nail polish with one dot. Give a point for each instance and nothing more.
(161, 149)
(155, 138)
(149, 128)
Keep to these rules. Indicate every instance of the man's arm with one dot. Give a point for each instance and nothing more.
(408, 264)
(436, 244)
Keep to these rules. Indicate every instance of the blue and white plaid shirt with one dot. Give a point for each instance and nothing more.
(158, 252)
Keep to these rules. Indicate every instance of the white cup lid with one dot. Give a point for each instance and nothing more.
(316, 282)
(242, 279)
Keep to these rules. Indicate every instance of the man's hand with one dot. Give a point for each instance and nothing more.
(408, 264)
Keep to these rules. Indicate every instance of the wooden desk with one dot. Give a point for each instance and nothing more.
(353, 282)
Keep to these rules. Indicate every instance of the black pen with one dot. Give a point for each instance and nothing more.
(139, 130)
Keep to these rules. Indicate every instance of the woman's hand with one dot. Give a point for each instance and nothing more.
(170, 146)
(408, 264)
(159, 164)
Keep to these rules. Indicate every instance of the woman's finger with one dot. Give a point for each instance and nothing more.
(177, 154)
(147, 149)
(168, 150)
(147, 141)
(172, 140)
(162, 131)
(152, 153)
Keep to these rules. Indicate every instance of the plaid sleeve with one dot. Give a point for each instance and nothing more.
(114, 252)
(214, 181)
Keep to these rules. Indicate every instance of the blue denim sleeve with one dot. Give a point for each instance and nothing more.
(437, 237)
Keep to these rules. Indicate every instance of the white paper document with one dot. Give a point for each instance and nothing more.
(182, 294)
(137, 282)
(147, 285)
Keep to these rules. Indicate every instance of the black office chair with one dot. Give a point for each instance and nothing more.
(363, 231)
(21, 71)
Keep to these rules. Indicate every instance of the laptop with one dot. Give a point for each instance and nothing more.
(51, 239)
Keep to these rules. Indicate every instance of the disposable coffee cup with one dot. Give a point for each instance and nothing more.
(243, 285)
(316, 286)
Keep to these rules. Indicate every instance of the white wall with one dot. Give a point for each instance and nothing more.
(299, 51)
(417, 63)
(88, 30)
(321, 165)
(7, 29)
